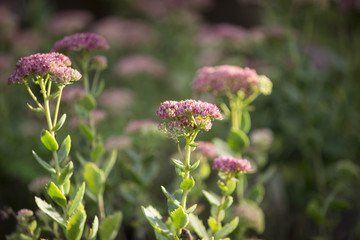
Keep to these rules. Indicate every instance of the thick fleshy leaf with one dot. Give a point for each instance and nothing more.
(44, 164)
(178, 163)
(238, 140)
(187, 184)
(86, 132)
(245, 121)
(75, 226)
(214, 226)
(49, 141)
(109, 228)
(198, 226)
(66, 173)
(60, 123)
(212, 198)
(155, 220)
(94, 229)
(180, 218)
(227, 229)
(77, 199)
(191, 209)
(37, 110)
(227, 203)
(97, 152)
(170, 197)
(50, 211)
(195, 165)
(88, 102)
(95, 178)
(56, 195)
(64, 149)
(109, 163)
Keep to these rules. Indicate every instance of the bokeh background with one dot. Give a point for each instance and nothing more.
(310, 49)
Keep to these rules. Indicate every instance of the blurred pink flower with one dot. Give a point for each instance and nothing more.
(232, 165)
(69, 21)
(72, 94)
(124, 33)
(26, 42)
(98, 62)
(37, 185)
(137, 64)
(207, 149)
(8, 22)
(117, 142)
(116, 99)
(98, 115)
(137, 125)
(271, 31)
(6, 63)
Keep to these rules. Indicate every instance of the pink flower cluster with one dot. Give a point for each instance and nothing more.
(137, 125)
(226, 79)
(207, 149)
(79, 41)
(232, 164)
(184, 117)
(55, 64)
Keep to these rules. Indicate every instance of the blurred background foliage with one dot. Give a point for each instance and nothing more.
(309, 48)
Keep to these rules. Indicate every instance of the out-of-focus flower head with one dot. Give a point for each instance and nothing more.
(81, 41)
(24, 215)
(116, 99)
(69, 21)
(73, 94)
(232, 165)
(117, 142)
(184, 117)
(54, 64)
(137, 125)
(207, 149)
(26, 42)
(6, 61)
(99, 62)
(37, 185)
(225, 79)
(8, 22)
(262, 138)
(139, 64)
(98, 115)
(123, 33)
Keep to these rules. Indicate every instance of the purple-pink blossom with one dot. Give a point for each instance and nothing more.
(69, 21)
(184, 117)
(232, 165)
(137, 125)
(225, 79)
(207, 149)
(81, 41)
(55, 65)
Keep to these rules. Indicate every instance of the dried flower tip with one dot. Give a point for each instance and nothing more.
(81, 41)
(54, 64)
(232, 165)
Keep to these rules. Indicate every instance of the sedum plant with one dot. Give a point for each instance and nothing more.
(51, 72)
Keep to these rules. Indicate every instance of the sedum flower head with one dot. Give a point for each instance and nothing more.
(228, 79)
(231, 164)
(207, 149)
(184, 117)
(81, 41)
(54, 64)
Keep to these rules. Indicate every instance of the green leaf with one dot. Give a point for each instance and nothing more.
(195, 165)
(180, 218)
(75, 226)
(49, 141)
(66, 173)
(99, 88)
(66, 187)
(231, 185)
(178, 163)
(171, 197)
(94, 229)
(64, 149)
(222, 147)
(60, 123)
(227, 229)
(37, 110)
(191, 209)
(187, 184)
(81, 111)
(44, 164)
(198, 226)
(97, 152)
(22, 236)
(110, 226)
(155, 220)
(222, 186)
(109, 163)
(238, 140)
(245, 121)
(212, 198)
(227, 203)
(86, 132)
(56, 195)
(50, 211)
(77, 200)
(53, 96)
(95, 178)
(214, 226)
(88, 102)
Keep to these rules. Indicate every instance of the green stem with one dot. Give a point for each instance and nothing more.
(100, 198)
(58, 104)
(33, 95)
(241, 188)
(85, 75)
(95, 82)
